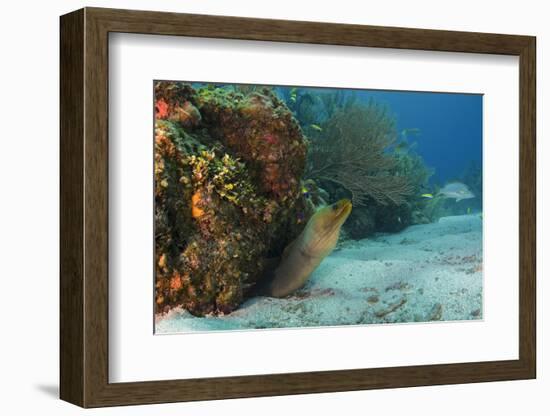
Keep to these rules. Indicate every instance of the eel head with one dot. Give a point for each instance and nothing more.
(323, 229)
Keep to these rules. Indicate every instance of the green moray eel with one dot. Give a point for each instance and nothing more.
(301, 257)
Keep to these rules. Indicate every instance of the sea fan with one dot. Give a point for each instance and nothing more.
(352, 153)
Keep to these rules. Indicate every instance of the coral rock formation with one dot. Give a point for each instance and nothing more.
(227, 193)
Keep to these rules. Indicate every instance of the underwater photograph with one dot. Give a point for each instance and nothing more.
(294, 207)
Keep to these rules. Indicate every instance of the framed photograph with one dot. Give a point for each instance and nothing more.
(256, 207)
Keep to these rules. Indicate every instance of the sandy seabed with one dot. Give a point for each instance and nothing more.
(430, 272)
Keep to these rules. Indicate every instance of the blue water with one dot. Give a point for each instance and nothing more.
(450, 124)
(450, 127)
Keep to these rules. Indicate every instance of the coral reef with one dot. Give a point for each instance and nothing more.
(233, 186)
(259, 129)
(227, 193)
(357, 154)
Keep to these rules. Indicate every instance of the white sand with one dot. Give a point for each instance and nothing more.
(425, 273)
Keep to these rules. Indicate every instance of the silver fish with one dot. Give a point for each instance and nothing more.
(457, 191)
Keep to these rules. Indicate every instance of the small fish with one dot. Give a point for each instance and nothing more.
(429, 196)
(305, 191)
(469, 210)
(316, 127)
